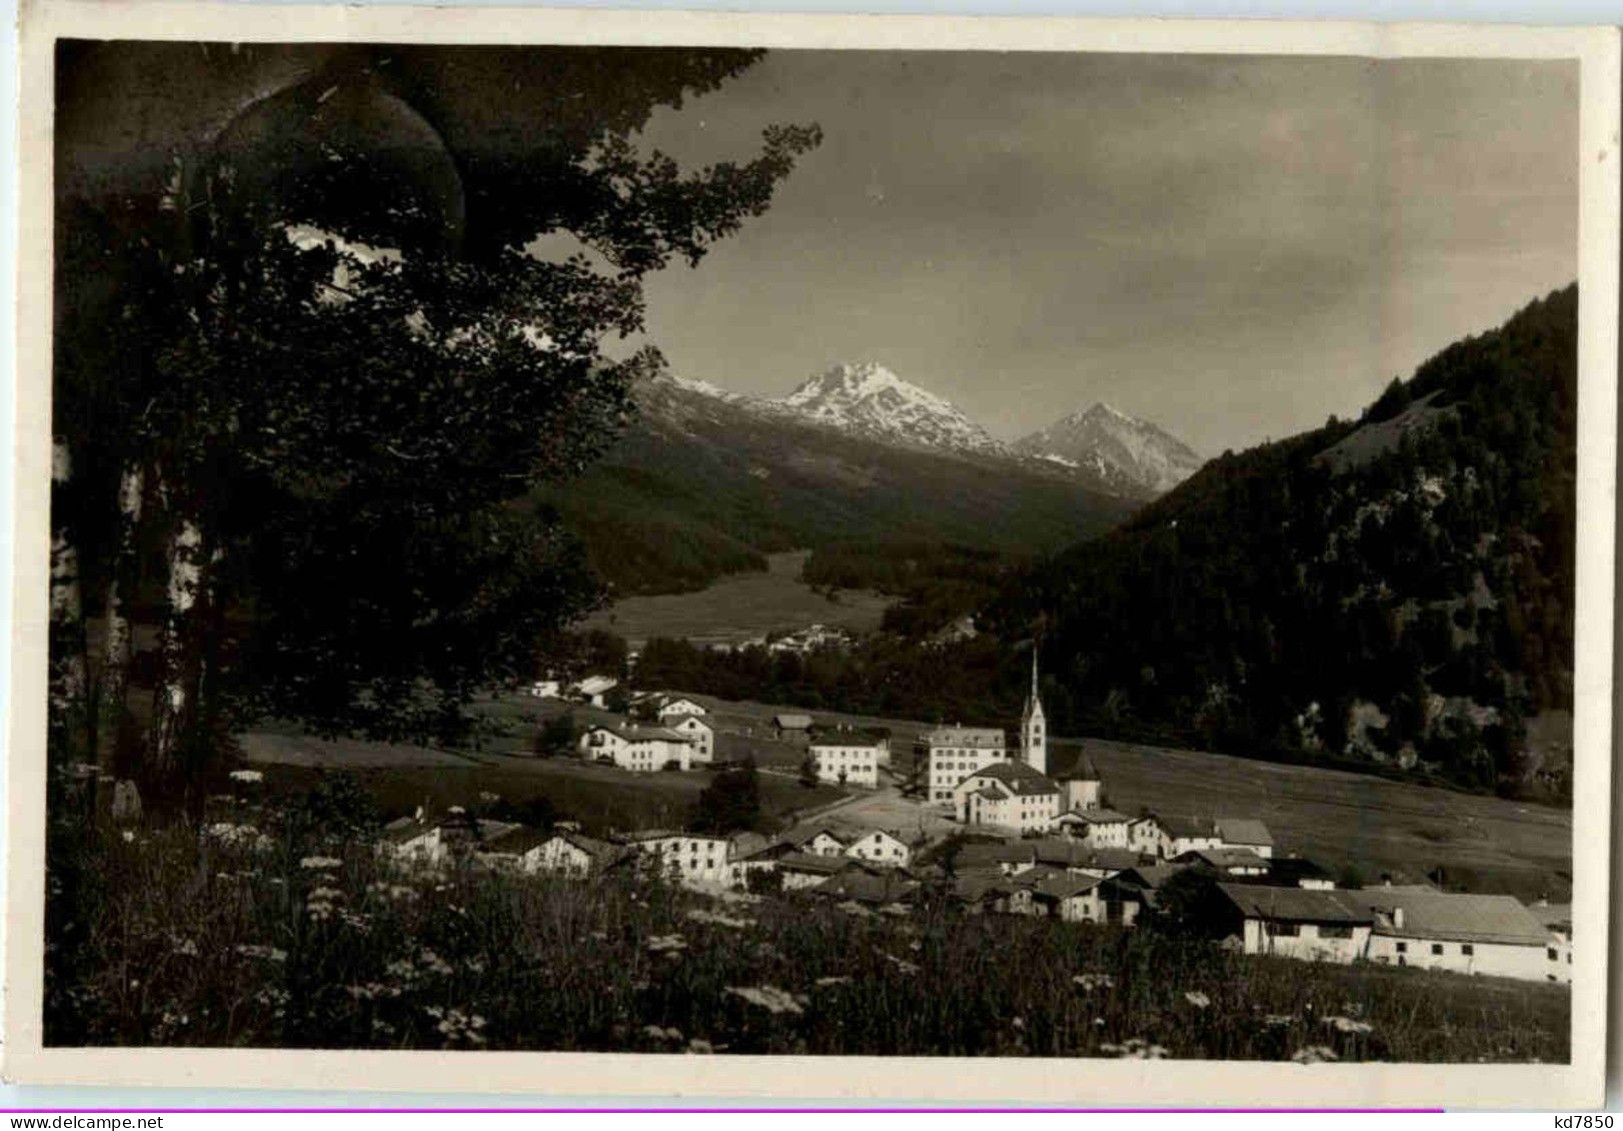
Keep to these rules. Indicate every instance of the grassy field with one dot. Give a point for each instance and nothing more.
(741, 607)
(1337, 818)
(282, 935)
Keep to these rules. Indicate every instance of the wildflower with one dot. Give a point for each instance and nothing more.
(434, 964)
(834, 980)
(1313, 1054)
(319, 863)
(1018, 1022)
(128, 836)
(1278, 1020)
(256, 950)
(186, 948)
(1091, 982)
(382, 1027)
(658, 1034)
(672, 945)
(248, 777)
(488, 797)
(456, 809)
(769, 998)
(234, 835)
(700, 1045)
(1347, 1025)
(904, 966)
(699, 915)
(1197, 999)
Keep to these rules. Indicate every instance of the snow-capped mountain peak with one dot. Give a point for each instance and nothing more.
(869, 399)
(1116, 444)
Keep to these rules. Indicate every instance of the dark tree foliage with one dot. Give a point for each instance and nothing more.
(730, 803)
(315, 330)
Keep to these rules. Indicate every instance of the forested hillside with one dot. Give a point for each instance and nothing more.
(1394, 590)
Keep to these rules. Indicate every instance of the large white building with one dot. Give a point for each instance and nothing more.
(1010, 795)
(700, 733)
(1464, 933)
(955, 752)
(685, 857)
(639, 749)
(848, 755)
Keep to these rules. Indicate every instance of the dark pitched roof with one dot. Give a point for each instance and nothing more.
(808, 833)
(1223, 858)
(1100, 816)
(983, 738)
(1065, 885)
(1186, 826)
(1297, 905)
(1294, 869)
(1150, 876)
(1454, 916)
(811, 862)
(1017, 777)
(1243, 830)
(866, 887)
(402, 829)
(1082, 769)
(849, 736)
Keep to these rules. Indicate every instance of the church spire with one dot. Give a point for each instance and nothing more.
(1033, 727)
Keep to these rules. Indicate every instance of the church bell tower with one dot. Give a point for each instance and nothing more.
(1033, 727)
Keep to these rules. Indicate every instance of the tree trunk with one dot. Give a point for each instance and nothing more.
(69, 683)
(174, 697)
(115, 671)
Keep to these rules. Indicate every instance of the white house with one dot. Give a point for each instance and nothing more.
(1010, 795)
(1144, 835)
(849, 755)
(595, 689)
(953, 753)
(1468, 933)
(1245, 832)
(1185, 834)
(700, 733)
(1102, 828)
(546, 689)
(1320, 926)
(1069, 897)
(816, 841)
(680, 705)
(410, 840)
(881, 847)
(684, 857)
(563, 853)
(1226, 861)
(639, 749)
(808, 870)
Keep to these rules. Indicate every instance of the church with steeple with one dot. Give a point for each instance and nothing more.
(1033, 727)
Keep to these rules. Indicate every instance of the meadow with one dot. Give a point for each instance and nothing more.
(277, 925)
(741, 606)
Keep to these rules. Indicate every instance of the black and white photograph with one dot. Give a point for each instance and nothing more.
(732, 549)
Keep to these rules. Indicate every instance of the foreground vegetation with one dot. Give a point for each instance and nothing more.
(280, 927)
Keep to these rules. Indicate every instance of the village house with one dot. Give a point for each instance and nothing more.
(881, 847)
(792, 728)
(1320, 926)
(1462, 932)
(594, 689)
(848, 755)
(953, 753)
(1225, 861)
(547, 689)
(805, 870)
(1294, 871)
(1467, 933)
(1185, 834)
(411, 840)
(563, 853)
(1245, 832)
(684, 857)
(415, 841)
(885, 889)
(639, 749)
(1102, 828)
(700, 733)
(1068, 897)
(1011, 858)
(816, 840)
(1144, 835)
(674, 706)
(1009, 795)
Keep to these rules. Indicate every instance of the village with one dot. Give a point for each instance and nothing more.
(990, 826)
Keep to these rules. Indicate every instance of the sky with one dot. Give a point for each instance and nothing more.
(1233, 248)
